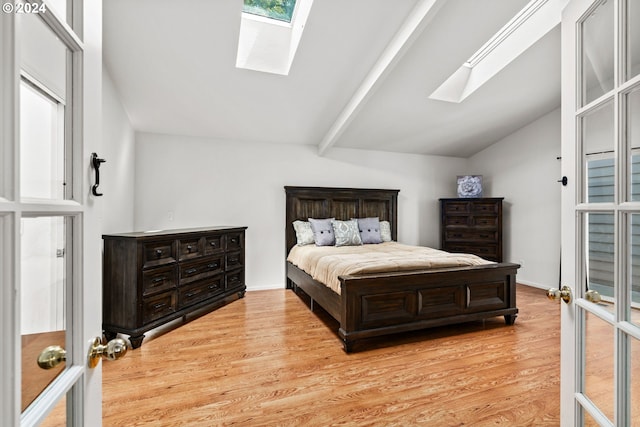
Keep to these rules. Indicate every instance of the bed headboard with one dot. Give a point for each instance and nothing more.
(339, 203)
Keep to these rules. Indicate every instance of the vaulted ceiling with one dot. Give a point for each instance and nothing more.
(173, 64)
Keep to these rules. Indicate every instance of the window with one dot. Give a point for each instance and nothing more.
(270, 34)
(282, 10)
(42, 166)
(601, 226)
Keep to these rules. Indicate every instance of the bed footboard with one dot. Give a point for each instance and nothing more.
(380, 304)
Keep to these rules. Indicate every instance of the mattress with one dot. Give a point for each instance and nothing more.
(326, 263)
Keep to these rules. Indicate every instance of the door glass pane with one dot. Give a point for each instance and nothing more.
(589, 421)
(634, 377)
(41, 145)
(43, 56)
(60, 8)
(633, 311)
(599, 255)
(58, 416)
(597, 52)
(599, 364)
(598, 154)
(42, 299)
(633, 41)
(633, 141)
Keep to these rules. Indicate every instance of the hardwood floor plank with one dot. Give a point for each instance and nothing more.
(268, 360)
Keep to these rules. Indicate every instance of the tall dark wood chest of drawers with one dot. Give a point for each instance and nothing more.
(151, 278)
(472, 225)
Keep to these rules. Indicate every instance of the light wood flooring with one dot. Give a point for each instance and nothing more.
(267, 360)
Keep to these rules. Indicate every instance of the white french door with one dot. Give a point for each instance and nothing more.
(50, 272)
(600, 366)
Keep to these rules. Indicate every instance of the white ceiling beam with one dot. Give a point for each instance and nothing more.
(416, 22)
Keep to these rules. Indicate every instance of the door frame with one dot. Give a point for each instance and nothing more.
(568, 229)
(84, 384)
(573, 233)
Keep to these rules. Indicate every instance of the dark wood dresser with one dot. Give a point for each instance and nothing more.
(472, 225)
(151, 278)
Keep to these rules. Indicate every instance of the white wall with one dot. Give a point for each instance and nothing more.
(187, 182)
(524, 169)
(117, 174)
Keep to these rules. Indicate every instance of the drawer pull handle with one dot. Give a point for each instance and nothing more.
(159, 279)
(190, 294)
(213, 244)
(212, 287)
(191, 270)
(158, 306)
(233, 279)
(234, 240)
(233, 260)
(189, 247)
(159, 252)
(213, 265)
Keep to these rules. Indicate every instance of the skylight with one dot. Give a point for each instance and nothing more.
(281, 10)
(270, 32)
(535, 20)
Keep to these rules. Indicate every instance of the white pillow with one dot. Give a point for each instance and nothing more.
(304, 234)
(346, 232)
(385, 231)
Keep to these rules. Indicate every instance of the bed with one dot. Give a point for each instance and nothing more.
(376, 304)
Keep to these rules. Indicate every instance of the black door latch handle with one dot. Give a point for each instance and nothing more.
(96, 162)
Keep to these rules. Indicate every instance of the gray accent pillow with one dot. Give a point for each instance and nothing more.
(369, 230)
(304, 233)
(346, 232)
(385, 231)
(323, 231)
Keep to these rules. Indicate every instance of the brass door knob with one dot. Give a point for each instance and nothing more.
(565, 294)
(593, 296)
(51, 357)
(113, 350)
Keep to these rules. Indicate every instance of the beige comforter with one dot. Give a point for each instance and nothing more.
(326, 263)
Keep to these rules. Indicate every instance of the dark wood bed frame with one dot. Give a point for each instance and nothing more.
(372, 305)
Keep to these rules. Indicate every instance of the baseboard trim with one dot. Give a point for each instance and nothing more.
(265, 287)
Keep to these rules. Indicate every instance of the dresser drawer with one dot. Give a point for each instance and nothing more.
(234, 241)
(489, 252)
(484, 207)
(234, 260)
(213, 244)
(456, 207)
(457, 221)
(201, 269)
(234, 279)
(200, 291)
(485, 221)
(158, 279)
(190, 248)
(158, 253)
(470, 221)
(471, 236)
(158, 306)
